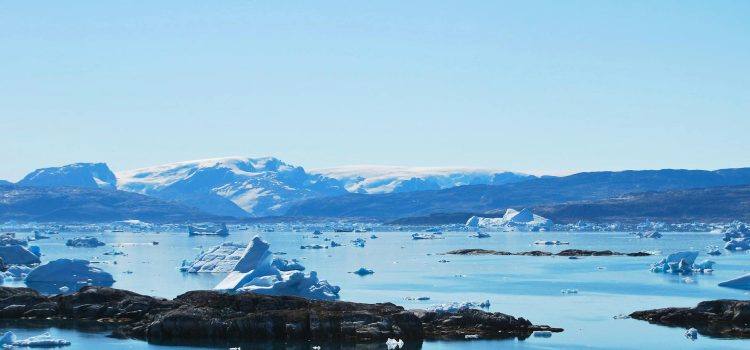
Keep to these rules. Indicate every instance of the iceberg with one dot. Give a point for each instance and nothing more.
(359, 242)
(69, 271)
(221, 230)
(738, 244)
(16, 272)
(523, 220)
(84, 242)
(9, 238)
(742, 282)
(480, 235)
(680, 262)
(363, 272)
(256, 272)
(420, 236)
(455, 307)
(648, 234)
(543, 242)
(39, 341)
(392, 344)
(221, 258)
(18, 255)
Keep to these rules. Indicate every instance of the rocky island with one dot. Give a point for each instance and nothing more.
(722, 318)
(214, 316)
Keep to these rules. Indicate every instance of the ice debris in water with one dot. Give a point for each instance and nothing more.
(84, 242)
(543, 242)
(456, 306)
(542, 334)
(392, 344)
(569, 291)
(359, 242)
(16, 272)
(480, 235)
(471, 336)
(691, 334)
(255, 272)
(737, 236)
(39, 341)
(682, 262)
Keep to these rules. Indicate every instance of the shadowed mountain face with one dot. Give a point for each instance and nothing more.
(91, 175)
(534, 192)
(81, 204)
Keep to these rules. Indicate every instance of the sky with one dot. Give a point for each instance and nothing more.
(545, 87)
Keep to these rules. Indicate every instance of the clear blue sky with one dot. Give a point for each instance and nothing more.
(542, 86)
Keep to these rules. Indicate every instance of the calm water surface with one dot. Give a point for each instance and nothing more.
(518, 285)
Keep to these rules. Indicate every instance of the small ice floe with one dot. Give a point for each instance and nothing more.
(601, 267)
(569, 291)
(454, 307)
(84, 242)
(443, 261)
(394, 344)
(359, 242)
(373, 237)
(239, 348)
(316, 347)
(363, 272)
(543, 242)
(417, 298)
(335, 244)
(647, 234)
(69, 271)
(44, 340)
(691, 334)
(480, 235)
(317, 233)
(471, 336)
(713, 250)
(421, 236)
(313, 246)
(542, 334)
(680, 262)
(64, 289)
(621, 317)
(114, 252)
(688, 280)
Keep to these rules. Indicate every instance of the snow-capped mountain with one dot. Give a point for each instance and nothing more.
(235, 186)
(92, 175)
(392, 179)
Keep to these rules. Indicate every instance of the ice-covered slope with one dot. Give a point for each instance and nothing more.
(393, 179)
(92, 175)
(236, 186)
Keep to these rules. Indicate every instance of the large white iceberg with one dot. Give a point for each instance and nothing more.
(456, 306)
(18, 255)
(682, 262)
(523, 220)
(256, 272)
(84, 242)
(220, 230)
(220, 258)
(44, 340)
(69, 271)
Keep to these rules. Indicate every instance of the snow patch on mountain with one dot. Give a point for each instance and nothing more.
(388, 179)
(243, 186)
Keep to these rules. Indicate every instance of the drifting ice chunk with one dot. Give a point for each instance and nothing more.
(255, 272)
(69, 271)
(738, 244)
(418, 236)
(359, 242)
(84, 242)
(691, 334)
(221, 230)
(543, 242)
(40, 341)
(480, 235)
(16, 272)
(542, 334)
(523, 220)
(742, 282)
(18, 255)
(454, 307)
(10, 239)
(680, 262)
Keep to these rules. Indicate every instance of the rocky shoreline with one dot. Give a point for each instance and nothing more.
(214, 316)
(724, 318)
(567, 252)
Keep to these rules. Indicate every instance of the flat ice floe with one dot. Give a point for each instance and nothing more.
(257, 272)
(44, 340)
(69, 271)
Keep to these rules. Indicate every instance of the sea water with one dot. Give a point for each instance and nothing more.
(523, 286)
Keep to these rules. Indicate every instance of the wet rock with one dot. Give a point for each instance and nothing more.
(722, 318)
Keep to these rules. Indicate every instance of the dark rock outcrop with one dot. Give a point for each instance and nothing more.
(567, 252)
(201, 316)
(722, 318)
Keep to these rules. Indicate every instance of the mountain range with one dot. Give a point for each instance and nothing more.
(244, 188)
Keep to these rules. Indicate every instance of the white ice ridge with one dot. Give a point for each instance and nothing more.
(256, 272)
(456, 306)
(524, 220)
(44, 340)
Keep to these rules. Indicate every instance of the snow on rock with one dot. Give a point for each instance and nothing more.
(69, 271)
(84, 242)
(256, 272)
(742, 282)
(18, 255)
(234, 186)
(390, 179)
(39, 341)
(523, 220)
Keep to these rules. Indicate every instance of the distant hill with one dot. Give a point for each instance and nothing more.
(82, 204)
(717, 204)
(92, 175)
(534, 192)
